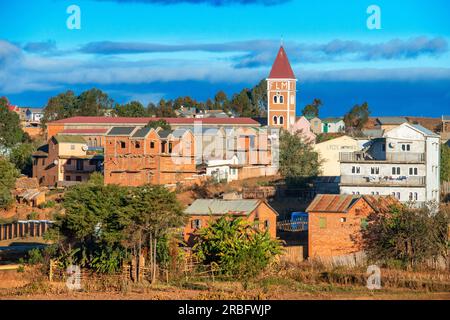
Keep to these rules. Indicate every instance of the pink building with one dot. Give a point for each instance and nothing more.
(303, 127)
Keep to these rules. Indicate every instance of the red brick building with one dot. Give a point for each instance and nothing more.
(136, 156)
(335, 222)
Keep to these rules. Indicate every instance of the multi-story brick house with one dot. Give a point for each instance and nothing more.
(136, 156)
(335, 223)
(65, 159)
(404, 163)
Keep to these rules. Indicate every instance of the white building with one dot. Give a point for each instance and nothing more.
(333, 125)
(403, 163)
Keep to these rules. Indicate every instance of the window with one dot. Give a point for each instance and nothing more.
(80, 165)
(138, 145)
(67, 178)
(375, 170)
(343, 220)
(413, 171)
(196, 224)
(395, 170)
(416, 196)
(406, 147)
(383, 147)
(281, 99)
(356, 170)
(266, 224)
(275, 99)
(163, 146)
(123, 145)
(281, 120)
(78, 178)
(170, 147)
(152, 144)
(43, 161)
(69, 162)
(35, 162)
(410, 196)
(322, 222)
(398, 195)
(275, 120)
(252, 142)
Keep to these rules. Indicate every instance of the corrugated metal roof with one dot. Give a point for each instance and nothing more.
(142, 132)
(391, 120)
(164, 133)
(217, 206)
(69, 139)
(424, 130)
(331, 203)
(381, 203)
(178, 133)
(120, 131)
(342, 203)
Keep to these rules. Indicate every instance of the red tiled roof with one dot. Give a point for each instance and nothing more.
(84, 131)
(281, 68)
(145, 120)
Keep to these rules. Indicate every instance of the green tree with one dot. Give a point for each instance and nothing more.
(237, 247)
(10, 130)
(357, 117)
(132, 109)
(8, 176)
(407, 236)
(93, 102)
(20, 156)
(445, 163)
(155, 211)
(299, 163)
(220, 100)
(64, 105)
(161, 123)
(312, 110)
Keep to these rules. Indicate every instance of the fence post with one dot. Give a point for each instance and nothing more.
(50, 273)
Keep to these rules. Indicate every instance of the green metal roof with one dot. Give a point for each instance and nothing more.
(69, 139)
(222, 207)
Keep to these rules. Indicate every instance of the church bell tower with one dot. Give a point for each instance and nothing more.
(281, 93)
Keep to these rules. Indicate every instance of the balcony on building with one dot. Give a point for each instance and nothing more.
(383, 181)
(388, 157)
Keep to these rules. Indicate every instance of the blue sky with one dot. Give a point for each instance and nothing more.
(148, 49)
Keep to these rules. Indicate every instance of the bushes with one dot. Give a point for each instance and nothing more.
(407, 237)
(236, 247)
(8, 176)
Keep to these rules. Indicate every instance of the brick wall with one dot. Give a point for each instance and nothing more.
(329, 236)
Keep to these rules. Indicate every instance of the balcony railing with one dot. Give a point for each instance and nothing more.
(400, 157)
(383, 181)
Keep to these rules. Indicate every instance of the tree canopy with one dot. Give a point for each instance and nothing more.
(133, 109)
(312, 110)
(8, 176)
(357, 117)
(236, 246)
(104, 225)
(407, 236)
(11, 132)
(298, 161)
(445, 162)
(161, 123)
